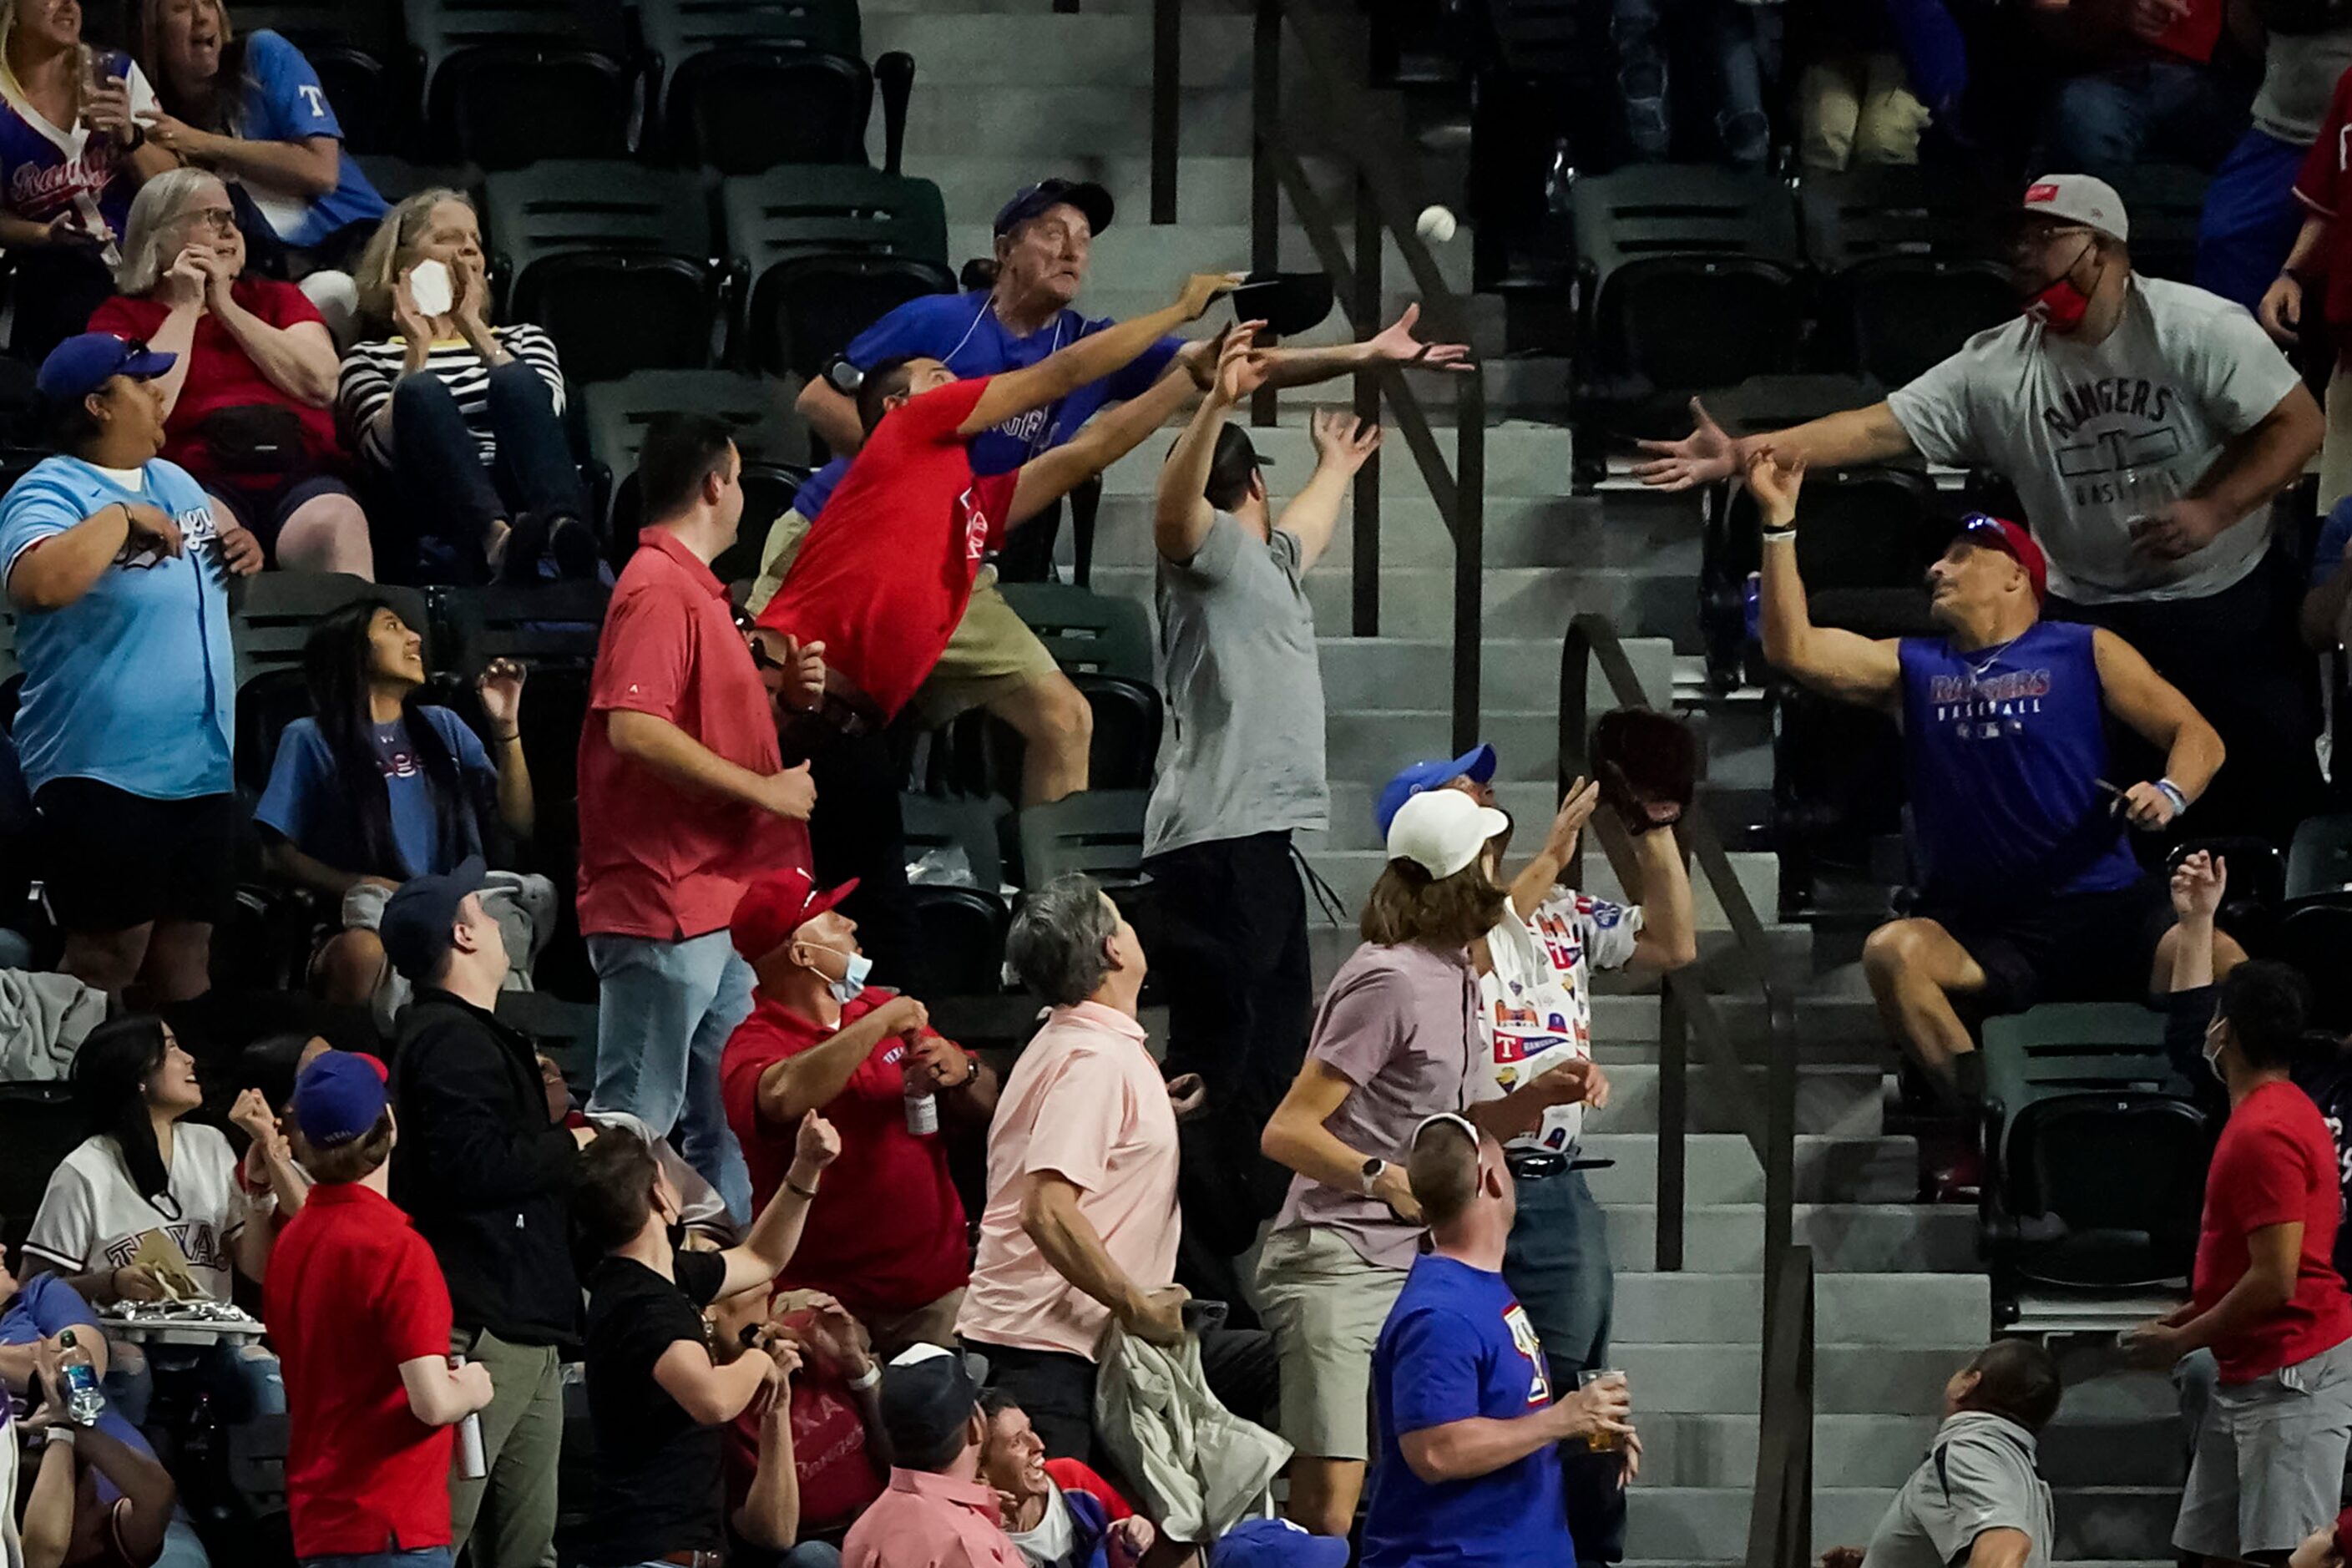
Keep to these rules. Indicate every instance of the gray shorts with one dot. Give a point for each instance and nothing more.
(2269, 1465)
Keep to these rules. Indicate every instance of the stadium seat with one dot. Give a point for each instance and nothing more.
(1910, 274)
(1103, 643)
(364, 64)
(552, 628)
(2319, 861)
(959, 951)
(614, 260)
(271, 614)
(2094, 1155)
(1088, 633)
(510, 82)
(742, 86)
(273, 698)
(38, 1127)
(974, 824)
(1870, 535)
(2166, 203)
(826, 250)
(2314, 938)
(1127, 715)
(1097, 831)
(771, 437)
(1689, 275)
(397, 179)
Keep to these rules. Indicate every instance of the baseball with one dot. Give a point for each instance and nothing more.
(1435, 224)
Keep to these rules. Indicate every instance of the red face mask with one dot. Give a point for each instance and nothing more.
(2061, 303)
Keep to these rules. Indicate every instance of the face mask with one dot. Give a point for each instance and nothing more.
(2211, 1051)
(855, 968)
(2061, 303)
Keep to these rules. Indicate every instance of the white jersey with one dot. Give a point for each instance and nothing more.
(92, 1217)
(1537, 1000)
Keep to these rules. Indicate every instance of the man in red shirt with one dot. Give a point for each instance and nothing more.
(888, 1238)
(884, 575)
(684, 798)
(2264, 1299)
(360, 1314)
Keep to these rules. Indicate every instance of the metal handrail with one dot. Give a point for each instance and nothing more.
(1780, 1527)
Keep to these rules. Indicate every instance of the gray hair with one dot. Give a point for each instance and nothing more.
(1059, 941)
(161, 203)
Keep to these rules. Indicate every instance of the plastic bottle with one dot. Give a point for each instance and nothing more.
(84, 1403)
(922, 1105)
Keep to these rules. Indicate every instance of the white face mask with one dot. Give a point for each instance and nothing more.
(2211, 1051)
(855, 968)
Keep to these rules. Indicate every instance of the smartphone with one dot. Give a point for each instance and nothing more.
(429, 285)
(1202, 1317)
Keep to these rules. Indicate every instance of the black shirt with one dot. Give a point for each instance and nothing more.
(657, 1470)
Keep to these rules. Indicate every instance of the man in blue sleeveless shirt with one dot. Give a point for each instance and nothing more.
(2029, 889)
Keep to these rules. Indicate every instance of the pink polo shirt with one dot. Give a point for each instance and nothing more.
(1085, 1101)
(925, 1521)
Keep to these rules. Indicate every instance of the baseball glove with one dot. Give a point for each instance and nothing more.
(1647, 766)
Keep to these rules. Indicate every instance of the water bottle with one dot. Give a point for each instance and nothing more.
(84, 1403)
(922, 1106)
(471, 1465)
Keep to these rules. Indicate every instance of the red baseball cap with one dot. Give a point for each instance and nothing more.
(778, 905)
(2000, 534)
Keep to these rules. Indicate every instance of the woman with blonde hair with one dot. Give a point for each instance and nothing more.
(71, 152)
(248, 404)
(465, 419)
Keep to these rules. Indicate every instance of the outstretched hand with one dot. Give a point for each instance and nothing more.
(2198, 884)
(1775, 484)
(1705, 456)
(1341, 441)
(1396, 344)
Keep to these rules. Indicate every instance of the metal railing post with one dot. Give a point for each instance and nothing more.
(1167, 101)
(1674, 1121)
(1469, 553)
(1364, 312)
(1266, 187)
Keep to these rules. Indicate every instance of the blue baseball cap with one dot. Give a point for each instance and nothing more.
(1031, 200)
(419, 916)
(1476, 765)
(1277, 1543)
(339, 1098)
(80, 365)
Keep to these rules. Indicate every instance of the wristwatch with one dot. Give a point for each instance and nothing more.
(1373, 1170)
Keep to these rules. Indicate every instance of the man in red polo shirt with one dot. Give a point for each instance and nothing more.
(886, 1236)
(360, 1314)
(884, 575)
(684, 798)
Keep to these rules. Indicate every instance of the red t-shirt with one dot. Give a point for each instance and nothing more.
(1074, 1476)
(835, 1468)
(2325, 186)
(659, 860)
(888, 566)
(2275, 1164)
(887, 1233)
(353, 1292)
(221, 375)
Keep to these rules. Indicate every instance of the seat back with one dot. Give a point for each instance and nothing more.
(760, 105)
(815, 304)
(38, 1127)
(565, 1032)
(1888, 211)
(2068, 1047)
(515, 81)
(1090, 632)
(273, 613)
(265, 705)
(1689, 270)
(769, 434)
(1127, 716)
(2319, 861)
(2167, 204)
(959, 949)
(1099, 832)
(973, 823)
(798, 212)
(2315, 940)
(2124, 1172)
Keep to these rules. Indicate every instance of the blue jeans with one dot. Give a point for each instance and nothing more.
(1557, 1263)
(1728, 31)
(246, 1378)
(181, 1546)
(449, 497)
(664, 1013)
(422, 1557)
(2250, 219)
(2166, 111)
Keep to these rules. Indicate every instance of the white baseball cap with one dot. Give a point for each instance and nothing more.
(2079, 198)
(1442, 830)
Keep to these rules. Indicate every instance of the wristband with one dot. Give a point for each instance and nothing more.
(870, 1378)
(2171, 792)
(509, 739)
(807, 1193)
(1785, 530)
(66, 1433)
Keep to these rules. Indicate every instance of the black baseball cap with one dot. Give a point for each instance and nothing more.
(927, 1394)
(418, 916)
(1030, 200)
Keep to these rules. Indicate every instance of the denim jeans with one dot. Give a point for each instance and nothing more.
(422, 1557)
(1641, 30)
(1557, 1262)
(245, 1378)
(2250, 219)
(2170, 111)
(665, 1011)
(448, 496)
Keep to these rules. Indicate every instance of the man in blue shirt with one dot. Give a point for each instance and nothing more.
(1467, 1467)
(1044, 237)
(119, 574)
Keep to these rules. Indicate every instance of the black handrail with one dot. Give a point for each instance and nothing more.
(1780, 1529)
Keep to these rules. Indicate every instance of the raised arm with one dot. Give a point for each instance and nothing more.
(777, 1231)
(1182, 516)
(1091, 358)
(770, 1515)
(298, 360)
(500, 685)
(2156, 711)
(1709, 453)
(1107, 436)
(1342, 446)
(1395, 345)
(1841, 663)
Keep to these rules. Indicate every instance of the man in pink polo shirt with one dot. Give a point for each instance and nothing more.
(684, 798)
(1081, 1226)
(937, 1511)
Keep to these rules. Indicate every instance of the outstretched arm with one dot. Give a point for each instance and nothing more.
(1709, 453)
(1397, 345)
(1341, 447)
(1843, 664)
(1091, 358)
(1182, 516)
(1107, 436)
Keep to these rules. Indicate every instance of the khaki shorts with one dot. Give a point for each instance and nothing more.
(1325, 1305)
(992, 652)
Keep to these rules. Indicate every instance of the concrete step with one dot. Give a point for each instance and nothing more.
(1829, 1028)
(1720, 1168)
(1686, 1450)
(976, 180)
(1373, 743)
(1854, 1307)
(1417, 602)
(1050, 123)
(957, 52)
(1858, 1380)
(1693, 1525)
(1556, 531)
(1514, 675)
(1869, 1238)
(1525, 460)
(1831, 1100)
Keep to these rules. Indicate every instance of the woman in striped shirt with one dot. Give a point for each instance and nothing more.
(464, 418)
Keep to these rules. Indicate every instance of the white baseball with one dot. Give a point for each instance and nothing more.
(1435, 224)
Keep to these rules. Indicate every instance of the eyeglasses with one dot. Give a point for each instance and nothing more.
(220, 220)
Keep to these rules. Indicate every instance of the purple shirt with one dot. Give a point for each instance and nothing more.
(1397, 1023)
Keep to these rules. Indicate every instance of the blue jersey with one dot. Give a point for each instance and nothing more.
(1458, 1346)
(961, 332)
(2005, 748)
(46, 170)
(283, 102)
(131, 684)
(304, 802)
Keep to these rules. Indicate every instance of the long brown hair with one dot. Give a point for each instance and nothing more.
(1444, 913)
(221, 109)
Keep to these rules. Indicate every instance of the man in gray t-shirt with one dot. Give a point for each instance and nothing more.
(1977, 1497)
(2146, 427)
(1241, 769)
